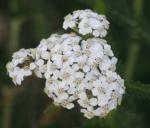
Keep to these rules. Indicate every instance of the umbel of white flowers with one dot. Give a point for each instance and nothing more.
(76, 69)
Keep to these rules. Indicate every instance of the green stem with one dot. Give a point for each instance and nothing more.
(134, 46)
(15, 25)
(138, 4)
(99, 6)
(132, 58)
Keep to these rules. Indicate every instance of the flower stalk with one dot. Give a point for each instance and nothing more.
(134, 46)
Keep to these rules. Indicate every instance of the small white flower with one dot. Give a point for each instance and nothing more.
(96, 33)
(93, 101)
(76, 48)
(70, 22)
(105, 64)
(40, 62)
(79, 75)
(75, 67)
(32, 66)
(82, 96)
(69, 106)
(62, 97)
(86, 68)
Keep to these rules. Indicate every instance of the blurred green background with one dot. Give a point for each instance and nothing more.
(23, 23)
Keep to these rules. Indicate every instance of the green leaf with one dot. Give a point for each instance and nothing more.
(138, 89)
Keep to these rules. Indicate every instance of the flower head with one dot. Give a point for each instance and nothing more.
(21, 65)
(87, 22)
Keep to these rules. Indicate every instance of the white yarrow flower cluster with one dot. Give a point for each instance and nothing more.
(76, 69)
(21, 65)
(87, 22)
(85, 73)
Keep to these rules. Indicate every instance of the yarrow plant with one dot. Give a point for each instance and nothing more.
(76, 69)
